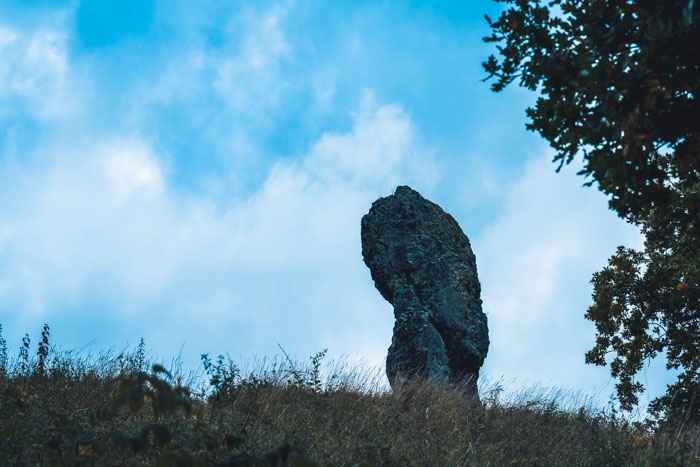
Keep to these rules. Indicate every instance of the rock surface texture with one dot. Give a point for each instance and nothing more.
(423, 264)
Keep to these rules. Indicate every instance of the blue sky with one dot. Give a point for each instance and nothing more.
(194, 173)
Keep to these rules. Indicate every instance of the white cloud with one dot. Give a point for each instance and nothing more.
(78, 221)
(251, 79)
(103, 228)
(318, 198)
(300, 234)
(324, 87)
(535, 262)
(7, 37)
(267, 44)
(34, 67)
(131, 168)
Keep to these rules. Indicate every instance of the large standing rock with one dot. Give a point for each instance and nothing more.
(423, 264)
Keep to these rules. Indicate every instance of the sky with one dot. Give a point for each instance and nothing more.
(194, 174)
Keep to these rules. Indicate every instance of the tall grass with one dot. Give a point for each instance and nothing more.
(61, 408)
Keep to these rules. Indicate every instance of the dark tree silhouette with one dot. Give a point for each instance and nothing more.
(618, 84)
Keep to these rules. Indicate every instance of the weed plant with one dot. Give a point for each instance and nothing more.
(58, 408)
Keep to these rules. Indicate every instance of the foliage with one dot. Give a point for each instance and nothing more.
(648, 301)
(3, 353)
(43, 350)
(287, 413)
(618, 83)
(24, 354)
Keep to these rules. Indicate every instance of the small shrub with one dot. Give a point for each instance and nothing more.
(3, 354)
(43, 351)
(24, 355)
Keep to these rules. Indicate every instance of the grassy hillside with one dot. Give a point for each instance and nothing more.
(57, 408)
